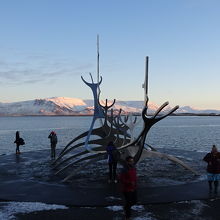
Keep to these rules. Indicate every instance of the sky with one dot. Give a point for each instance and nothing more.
(47, 45)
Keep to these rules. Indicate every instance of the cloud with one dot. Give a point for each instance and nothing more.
(38, 68)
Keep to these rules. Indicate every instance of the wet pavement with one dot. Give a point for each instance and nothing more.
(165, 190)
(29, 177)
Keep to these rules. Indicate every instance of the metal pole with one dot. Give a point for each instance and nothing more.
(146, 80)
(98, 89)
(97, 58)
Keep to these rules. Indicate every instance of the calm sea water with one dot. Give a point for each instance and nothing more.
(188, 133)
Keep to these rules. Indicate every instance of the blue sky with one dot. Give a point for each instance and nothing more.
(46, 45)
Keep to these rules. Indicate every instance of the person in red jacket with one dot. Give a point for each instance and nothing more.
(213, 168)
(128, 178)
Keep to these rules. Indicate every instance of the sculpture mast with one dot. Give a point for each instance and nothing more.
(145, 85)
(97, 58)
(98, 89)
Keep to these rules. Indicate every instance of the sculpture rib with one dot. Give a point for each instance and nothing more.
(148, 123)
(131, 124)
(79, 160)
(81, 167)
(98, 141)
(104, 132)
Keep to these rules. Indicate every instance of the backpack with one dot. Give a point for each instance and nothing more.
(116, 155)
(21, 141)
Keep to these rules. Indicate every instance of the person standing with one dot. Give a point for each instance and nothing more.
(213, 168)
(128, 179)
(113, 155)
(53, 142)
(18, 141)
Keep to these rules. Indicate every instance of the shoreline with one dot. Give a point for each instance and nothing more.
(134, 114)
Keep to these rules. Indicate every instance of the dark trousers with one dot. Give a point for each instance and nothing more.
(215, 184)
(53, 150)
(17, 148)
(112, 170)
(130, 200)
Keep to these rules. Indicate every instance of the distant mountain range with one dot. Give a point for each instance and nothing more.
(74, 106)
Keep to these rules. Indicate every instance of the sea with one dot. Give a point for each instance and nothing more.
(191, 133)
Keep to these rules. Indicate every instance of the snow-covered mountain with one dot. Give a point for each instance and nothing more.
(74, 106)
(188, 109)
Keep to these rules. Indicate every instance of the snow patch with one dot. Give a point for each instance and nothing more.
(144, 217)
(8, 210)
(138, 208)
(66, 101)
(198, 206)
(115, 208)
(112, 198)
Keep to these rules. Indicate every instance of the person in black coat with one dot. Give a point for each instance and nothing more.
(113, 157)
(53, 142)
(17, 142)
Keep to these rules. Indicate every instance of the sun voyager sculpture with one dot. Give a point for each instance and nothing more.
(90, 146)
